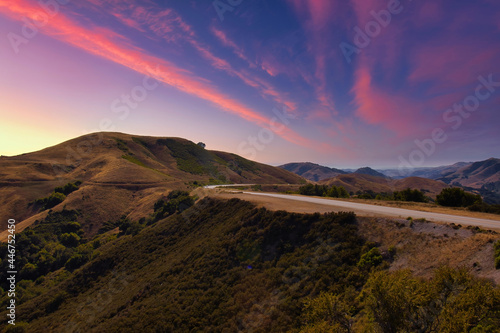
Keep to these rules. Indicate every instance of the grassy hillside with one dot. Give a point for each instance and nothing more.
(312, 171)
(120, 174)
(361, 182)
(227, 266)
(482, 177)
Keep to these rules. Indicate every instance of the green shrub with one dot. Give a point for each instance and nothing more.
(392, 250)
(68, 188)
(457, 197)
(191, 157)
(29, 271)
(324, 191)
(122, 145)
(130, 228)
(484, 207)
(58, 196)
(70, 239)
(176, 201)
(410, 195)
(257, 188)
(496, 248)
(75, 261)
(51, 201)
(370, 259)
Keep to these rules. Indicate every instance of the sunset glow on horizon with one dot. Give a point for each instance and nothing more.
(339, 83)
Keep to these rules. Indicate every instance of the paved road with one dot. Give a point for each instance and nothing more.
(227, 185)
(389, 211)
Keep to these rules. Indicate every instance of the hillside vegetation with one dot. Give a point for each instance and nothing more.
(227, 266)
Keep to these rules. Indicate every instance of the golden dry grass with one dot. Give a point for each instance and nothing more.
(118, 172)
(425, 246)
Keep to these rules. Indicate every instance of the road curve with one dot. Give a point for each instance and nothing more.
(390, 211)
(211, 187)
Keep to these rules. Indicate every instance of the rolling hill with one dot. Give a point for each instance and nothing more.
(425, 172)
(355, 182)
(482, 177)
(120, 174)
(370, 172)
(312, 171)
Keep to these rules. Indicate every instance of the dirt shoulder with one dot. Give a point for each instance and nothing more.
(297, 206)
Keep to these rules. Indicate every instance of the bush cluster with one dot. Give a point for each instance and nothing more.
(324, 191)
(58, 196)
(457, 197)
(408, 194)
(176, 201)
(50, 244)
(496, 248)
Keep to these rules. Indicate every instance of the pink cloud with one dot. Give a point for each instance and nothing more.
(167, 24)
(376, 107)
(126, 20)
(316, 17)
(98, 42)
(363, 8)
(451, 64)
(224, 39)
(318, 13)
(430, 12)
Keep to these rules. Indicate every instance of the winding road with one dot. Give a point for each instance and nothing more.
(386, 211)
(390, 211)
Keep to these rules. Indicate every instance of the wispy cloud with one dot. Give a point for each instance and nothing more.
(169, 25)
(226, 41)
(98, 42)
(316, 18)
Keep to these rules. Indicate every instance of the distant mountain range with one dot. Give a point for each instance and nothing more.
(316, 172)
(363, 179)
(482, 177)
(428, 172)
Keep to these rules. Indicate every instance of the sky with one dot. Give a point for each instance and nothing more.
(342, 83)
